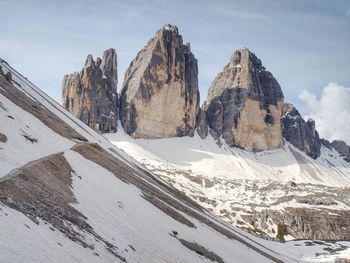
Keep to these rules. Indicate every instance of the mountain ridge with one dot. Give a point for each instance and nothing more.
(245, 104)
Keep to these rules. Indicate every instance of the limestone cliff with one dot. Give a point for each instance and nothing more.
(91, 95)
(302, 134)
(160, 95)
(244, 104)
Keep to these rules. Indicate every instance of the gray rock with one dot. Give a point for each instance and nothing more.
(299, 133)
(202, 124)
(8, 76)
(341, 147)
(244, 104)
(160, 96)
(91, 95)
(326, 143)
(291, 184)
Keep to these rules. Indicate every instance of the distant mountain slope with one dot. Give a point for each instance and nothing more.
(206, 158)
(281, 194)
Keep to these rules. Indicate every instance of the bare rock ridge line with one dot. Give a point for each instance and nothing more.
(91, 95)
(160, 96)
(160, 99)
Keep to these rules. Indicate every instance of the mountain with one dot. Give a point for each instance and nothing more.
(160, 96)
(244, 104)
(244, 177)
(280, 194)
(91, 95)
(301, 134)
(68, 195)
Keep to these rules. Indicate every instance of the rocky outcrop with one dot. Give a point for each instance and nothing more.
(7, 75)
(301, 134)
(160, 95)
(244, 104)
(91, 95)
(304, 223)
(202, 124)
(341, 147)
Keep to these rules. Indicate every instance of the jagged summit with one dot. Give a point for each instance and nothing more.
(302, 134)
(244, 104)
(160, 96)
(109, 66)
(168, 27)
(91, 95)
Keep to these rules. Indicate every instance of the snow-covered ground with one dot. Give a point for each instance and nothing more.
(96, 214)
(207, 159)
(254, 191)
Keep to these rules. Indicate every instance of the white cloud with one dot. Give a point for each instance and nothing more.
(331, 111)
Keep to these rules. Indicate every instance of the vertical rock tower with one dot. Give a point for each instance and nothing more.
(302, 134)
(91, 95)
(244, 104)
(160, 96)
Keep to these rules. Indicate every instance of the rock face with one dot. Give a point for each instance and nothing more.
(91, 95)
(202, 124)
(160, 95)
(300, 133)
(244, 104)
(341, 147)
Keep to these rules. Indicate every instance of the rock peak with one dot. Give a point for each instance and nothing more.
(109, 66)
(244, 104)
(89, 61)
(91, 95)
(169, 28)
(246, 57)
(160, 96)
(301, 134)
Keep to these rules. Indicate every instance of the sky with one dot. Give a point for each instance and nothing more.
(304, 43)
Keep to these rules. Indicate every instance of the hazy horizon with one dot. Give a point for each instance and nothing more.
(305, 44)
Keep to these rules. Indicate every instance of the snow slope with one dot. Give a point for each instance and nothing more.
(254, 191)
(206, 158)
(68, 195)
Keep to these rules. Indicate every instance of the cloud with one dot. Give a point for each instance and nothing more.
(348, 12)
(331, 111)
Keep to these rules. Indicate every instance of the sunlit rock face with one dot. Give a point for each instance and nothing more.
(160, 96)
(91, 94)
(244, 104)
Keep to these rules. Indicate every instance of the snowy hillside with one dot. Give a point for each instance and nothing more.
(206, 158)
(279, 194)
(68, 195)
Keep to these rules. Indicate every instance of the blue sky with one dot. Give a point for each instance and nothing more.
(304, 43)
